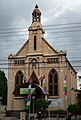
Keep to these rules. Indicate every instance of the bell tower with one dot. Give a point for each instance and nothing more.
(36, 15)
(36, 32)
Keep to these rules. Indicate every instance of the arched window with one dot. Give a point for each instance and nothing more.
(34, 64)
(53, 83)
(18, 78)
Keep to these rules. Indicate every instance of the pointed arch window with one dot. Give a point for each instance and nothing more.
(53, 83)
(18, 78)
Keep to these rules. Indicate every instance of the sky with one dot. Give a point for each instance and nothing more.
(60, 19)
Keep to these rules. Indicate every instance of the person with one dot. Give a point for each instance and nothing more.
(39, 115)
(69, 116)
(5, 112)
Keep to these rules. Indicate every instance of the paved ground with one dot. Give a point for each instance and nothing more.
(2, 111)
(9, 118)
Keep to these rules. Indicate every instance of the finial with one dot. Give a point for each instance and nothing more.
(36, 6)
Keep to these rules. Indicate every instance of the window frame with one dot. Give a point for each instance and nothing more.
(53, 86)
(19, 78)
(35, 42)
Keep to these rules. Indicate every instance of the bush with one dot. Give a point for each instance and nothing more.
(42, 103)
(73, 109)
(59, 111)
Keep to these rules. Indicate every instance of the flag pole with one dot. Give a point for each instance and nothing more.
(30, 97)
(65, 91)
(29, 114)
(28, 104)
(49, 113)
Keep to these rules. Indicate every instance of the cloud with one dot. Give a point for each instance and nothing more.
(18, 13)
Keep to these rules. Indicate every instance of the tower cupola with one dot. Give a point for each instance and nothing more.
(36, 15)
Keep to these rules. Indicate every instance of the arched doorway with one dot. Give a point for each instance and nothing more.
(37, 94)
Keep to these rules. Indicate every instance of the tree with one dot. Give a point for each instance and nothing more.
(3, 87)
(73, 109)
(79, 98)
(42, 103)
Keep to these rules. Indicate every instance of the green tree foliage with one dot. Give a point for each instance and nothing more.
(42, 103)
(73, 109)
(3, 87)
(59, 111)
(79, 98)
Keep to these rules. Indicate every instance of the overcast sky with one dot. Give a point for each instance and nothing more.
(61, 21)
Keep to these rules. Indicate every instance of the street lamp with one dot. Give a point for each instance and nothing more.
(0, 103)
(0, 100)
(33, 98)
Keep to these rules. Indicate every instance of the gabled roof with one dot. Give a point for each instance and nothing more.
(45, 45)
(55, 51)
(23, 47)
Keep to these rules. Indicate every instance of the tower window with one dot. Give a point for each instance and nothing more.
(34, 42)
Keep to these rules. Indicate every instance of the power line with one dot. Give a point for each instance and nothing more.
(51, 25)
(11, 30)
(63, 62)
(63, 37)
(41, 67)
(66, 31)
(13, 35)
(46, 37)
(62, 24)
(59, 32)
(62, 27)
(25, 27)
(70, 59)
(17, 43)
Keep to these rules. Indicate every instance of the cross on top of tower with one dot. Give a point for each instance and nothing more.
(36, 6)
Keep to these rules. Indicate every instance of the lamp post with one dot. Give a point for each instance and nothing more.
(0, 100)
(33, 97)
(0, 104)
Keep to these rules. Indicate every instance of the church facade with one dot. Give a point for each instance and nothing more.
(37, 59)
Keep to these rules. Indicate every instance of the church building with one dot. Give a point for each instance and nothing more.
(39, 61)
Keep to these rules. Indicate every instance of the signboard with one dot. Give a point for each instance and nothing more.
(24, 91)
(56, 102)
